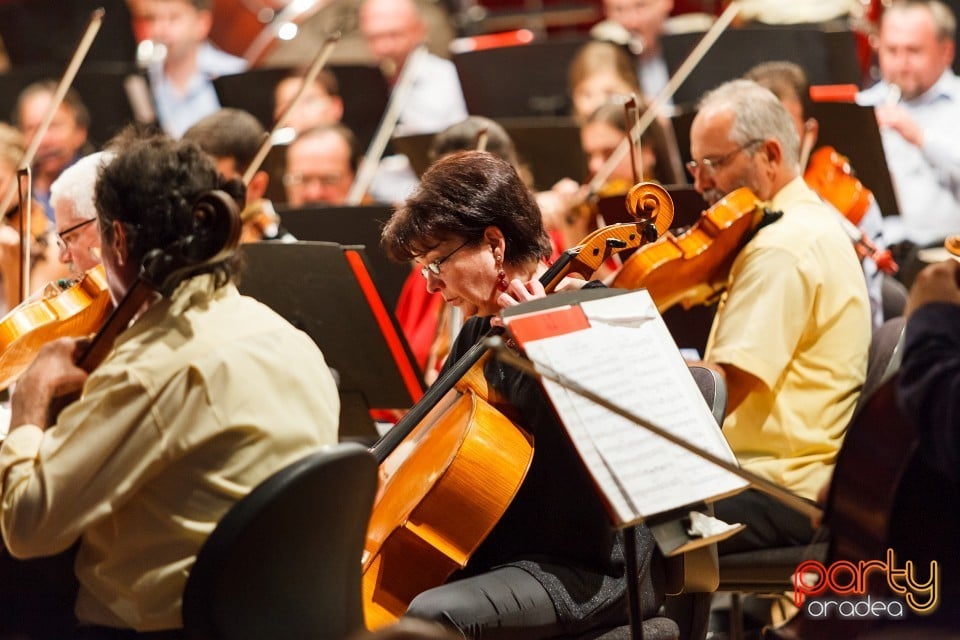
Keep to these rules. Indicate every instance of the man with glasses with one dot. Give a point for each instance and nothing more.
(321, 165)
(75, 215)
(792, 332)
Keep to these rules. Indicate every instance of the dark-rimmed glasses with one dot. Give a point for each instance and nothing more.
(716, 162)
(434, 267)
(63, 237)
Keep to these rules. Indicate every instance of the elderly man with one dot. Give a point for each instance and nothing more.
(792, 333)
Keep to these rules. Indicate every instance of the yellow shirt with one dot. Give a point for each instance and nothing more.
(796, 316)
(203, 397)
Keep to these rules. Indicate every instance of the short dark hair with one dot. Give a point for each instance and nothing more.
(337, 129)
(151, 187)
(460, 195)
(71, 100)
(229, 133)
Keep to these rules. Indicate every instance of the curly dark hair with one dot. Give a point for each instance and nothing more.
(461, 195)
(151, 188)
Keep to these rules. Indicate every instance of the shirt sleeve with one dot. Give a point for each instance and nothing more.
(56, 483)
(758, 332)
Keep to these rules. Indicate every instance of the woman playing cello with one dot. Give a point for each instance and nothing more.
(552, 565)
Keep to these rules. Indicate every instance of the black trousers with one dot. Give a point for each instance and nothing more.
(769, 522)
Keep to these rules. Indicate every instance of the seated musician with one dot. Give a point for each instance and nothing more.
(233, 138)
(552, 565)
(791, 334)
(600, 72)
(203, 396)
(788, 81)
(75, 212)
(44, 266)
(321, 164)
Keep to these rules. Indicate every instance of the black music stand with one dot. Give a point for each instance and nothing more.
(108, 90)
(548, 146)
(526, 80)
(853, 131)
(362, 87)
(40, 32)
(359, 225)
(828, 56)
(324, 289)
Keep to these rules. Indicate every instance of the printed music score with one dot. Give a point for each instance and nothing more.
(619, 348)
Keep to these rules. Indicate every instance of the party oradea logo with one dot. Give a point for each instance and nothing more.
(842, 589)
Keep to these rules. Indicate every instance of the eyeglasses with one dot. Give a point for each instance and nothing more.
(296, 179)
(64, 238)
(716, 162)
(434, 267)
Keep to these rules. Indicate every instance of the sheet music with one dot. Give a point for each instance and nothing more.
(628, 356)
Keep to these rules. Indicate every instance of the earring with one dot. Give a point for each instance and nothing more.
(501, 276)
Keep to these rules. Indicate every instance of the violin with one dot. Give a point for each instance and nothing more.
(445, 452)
(829, 173)
(693, 268)
(952, 245)
(62, 309)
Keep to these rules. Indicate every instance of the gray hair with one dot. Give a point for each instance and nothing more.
(77, 182)
(757, 115)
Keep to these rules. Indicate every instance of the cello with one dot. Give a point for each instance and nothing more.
(457, 447)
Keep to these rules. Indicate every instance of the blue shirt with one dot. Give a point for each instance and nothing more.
(177, 112)
(927, 178)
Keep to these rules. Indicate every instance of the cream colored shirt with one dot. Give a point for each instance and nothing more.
(204, 396)
(796, 316)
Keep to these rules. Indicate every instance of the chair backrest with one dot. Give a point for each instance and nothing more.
(714, 390)
(893, 297)
(285, 561)
(883, 359)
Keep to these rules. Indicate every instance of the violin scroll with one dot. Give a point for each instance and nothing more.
(952, 245)
(650, 202)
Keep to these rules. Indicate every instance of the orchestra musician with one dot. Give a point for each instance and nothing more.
(600, 72)
(791, 333)
(64, 141)
(788, 81)
(552, 565)
(75, 211)
(233, 137)
(44, 266)
(321, 102)
(321, 164)
(203, 396)
(916, 104)
(182, 80)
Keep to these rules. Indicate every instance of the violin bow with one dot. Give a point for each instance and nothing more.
(539, 370)
(398, 98)
(79, 54)
(25, 230)
(679, 77)
(93, 26)
(319, 62)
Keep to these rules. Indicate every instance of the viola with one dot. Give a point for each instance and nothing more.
(441, 458)
(830, 175)
(693, 268)
(62, 309)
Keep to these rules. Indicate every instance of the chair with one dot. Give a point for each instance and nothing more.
(893, 297)
(275, 566)
(769, 571)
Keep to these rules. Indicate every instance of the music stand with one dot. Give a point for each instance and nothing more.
(362, 87)
(548, 146)
(853, 131)
(108, 90)
(325, 290)
(828, 56)
(359, 225)
(526, 80)
(40, 32)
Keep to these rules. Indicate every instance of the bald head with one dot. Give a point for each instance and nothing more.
(392, 29)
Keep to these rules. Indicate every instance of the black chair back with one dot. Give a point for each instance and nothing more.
(285, 561)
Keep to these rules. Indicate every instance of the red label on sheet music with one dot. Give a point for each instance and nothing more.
(547, 324)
